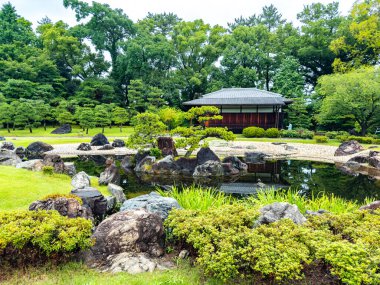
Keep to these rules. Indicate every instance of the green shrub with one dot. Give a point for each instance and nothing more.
(228, 246)
(57, 196)
(334, 134)
(365, 140)
(33, 235)
(272, 133)
(253, 132)
(48, 170)
(342, 138)
(156, 152)
(321, 139)
(198, 198)
(297, 133)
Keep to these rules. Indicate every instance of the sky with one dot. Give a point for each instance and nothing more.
(213, 12)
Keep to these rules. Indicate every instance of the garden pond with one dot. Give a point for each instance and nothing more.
(308, 177)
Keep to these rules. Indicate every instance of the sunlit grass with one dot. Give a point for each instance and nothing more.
(20, 187)
(197, 197)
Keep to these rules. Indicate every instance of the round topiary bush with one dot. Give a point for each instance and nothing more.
(254, 132)
(321, 139)
(272, 133)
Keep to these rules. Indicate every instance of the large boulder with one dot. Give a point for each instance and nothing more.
(110, 174)
(7, 145)
(210, 168)
(145, 165)
(81, 180)
(21, 152)
(186, 165)
(134, 231)
(350, 168)
(153, 203)
(236, 163)
(68, 207)
(118, 143)
(348, 148)
(84, 147)
(117, 192)
(33, 165)
(36, 150)
(70, 168)
(359, 159)
(9, 158)
(64, 129)
(93, 199)
(55, 161)
(166, 166)
(167, 146)
(255, 157)
(229, 169)
(99, 140)
(140, 155)
(374, 161)
(280, 210)
(206, 154)
(127, 163)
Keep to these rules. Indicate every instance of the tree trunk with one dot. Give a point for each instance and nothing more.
(363, 130)
(87, 131)
(188, 153)
(45, 125)
(121, 128)
(30, 130)
(8, 128)
(102, 130)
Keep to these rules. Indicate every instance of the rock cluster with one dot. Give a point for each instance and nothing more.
(36, 150)
(7, 145)
(84, 147)
(64, 129)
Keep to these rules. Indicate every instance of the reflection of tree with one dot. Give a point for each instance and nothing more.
(314, 178)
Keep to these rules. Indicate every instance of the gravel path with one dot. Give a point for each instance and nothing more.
(314, 152)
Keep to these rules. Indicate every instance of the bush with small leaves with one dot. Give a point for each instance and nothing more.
(48, 170)
(321, 139)
(156, 152)
(67, 196)
(272, 133)
(254, 132)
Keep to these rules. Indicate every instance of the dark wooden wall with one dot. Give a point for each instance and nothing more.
(238, 121)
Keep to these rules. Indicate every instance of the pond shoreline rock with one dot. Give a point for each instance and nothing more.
(110, 174)
(348, 148)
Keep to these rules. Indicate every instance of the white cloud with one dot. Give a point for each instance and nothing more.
(214, 12)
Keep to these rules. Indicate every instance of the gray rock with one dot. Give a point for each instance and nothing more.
(209, 169)
(236, 163)
(206, 154)
(289, 147)
(229, 169)
(374, 161)
(106, 147)
(118, 143)
(99, 140)
(110, 174)
(134, 263)
(183, 254)
(36, 150)
(153, 203)
(134, 231)
(68, 207)
(81, 180)
(21, 152)
(70, 168)
(372, 206)
(348, 148)
(92, 198)
(186, 165)
(167, 146)
(359, 159)
(128, 163)
(254, 157)
(9, 158)
(54, 161)
(33, 165)
(279, 143)
(84, 147)
(166, 166)
(140, 155)
(350, 168)
(64, 129)
(111, 203)
(145, 165)
(277, 211)
(117, 192)
(2, 138)
(7, 145)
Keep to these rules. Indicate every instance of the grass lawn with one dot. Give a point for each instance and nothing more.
(78, 274)
(20, 187)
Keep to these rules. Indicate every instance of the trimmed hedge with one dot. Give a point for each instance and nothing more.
(272, 133)
(297, 133)
(228, 246)
(32, 236)
(254, 132)
(321, 139)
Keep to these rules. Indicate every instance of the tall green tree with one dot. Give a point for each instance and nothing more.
(101, 118)
(120, 116)
(87, 118)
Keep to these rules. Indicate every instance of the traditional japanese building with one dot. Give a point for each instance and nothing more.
(245, 107)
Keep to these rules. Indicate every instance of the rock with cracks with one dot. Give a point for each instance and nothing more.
(110, 174)
(36, 150)
(99, 140)
(9, 158)
(280, 210)
(167, 146)
(206, 154)
(209, 169)
(348, 148)
(7, 145)
(166, 166)
(153, 203)
(84, 147)
(93, 199)
(81, 180)
(117, 192)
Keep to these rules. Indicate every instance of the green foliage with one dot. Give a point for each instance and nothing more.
(335, 134)
(86, 118)
(147, 127)
(171, 117)
(120, 116)
(298, 133)
(48, 170)
(272, 133)
(321, 139)
(156, 152)
(198, 198)
(254, 132)
(203, 114)
(42, 232)
(59, 195)
(365, 140)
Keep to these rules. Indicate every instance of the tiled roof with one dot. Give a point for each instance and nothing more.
(240, 96)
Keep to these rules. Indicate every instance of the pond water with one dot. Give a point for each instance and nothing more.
(310, 178)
